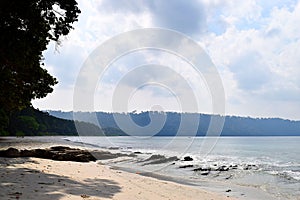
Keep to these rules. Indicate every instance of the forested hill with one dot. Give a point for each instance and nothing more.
(234, 126)
(32, 122)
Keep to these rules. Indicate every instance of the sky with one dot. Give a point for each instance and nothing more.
(254, 45)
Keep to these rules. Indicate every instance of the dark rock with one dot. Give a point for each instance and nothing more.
(205, 173)
(59, 158)
(61, 148)
(84, 158)
(251, 167)
(188, 158)
(63, 157)
(90, 157)
(229, 190)
(186, 166)
(79, 156)
(43, 153)
(223, 168)
(202, 169)
(60, 153)
(10, 152)
(114, 148)
(84, 196)
(234, 167)
(197, 169)
(137, 152)
(26, 153)
(159, 159)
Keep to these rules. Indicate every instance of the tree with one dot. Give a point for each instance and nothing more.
(27, 27)
(28, 124)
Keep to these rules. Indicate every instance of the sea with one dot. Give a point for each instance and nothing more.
(242, 167)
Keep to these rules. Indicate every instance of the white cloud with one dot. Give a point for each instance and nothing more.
(262, 64)
(254, 44)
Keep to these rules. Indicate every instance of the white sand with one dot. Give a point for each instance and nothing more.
(33, 178)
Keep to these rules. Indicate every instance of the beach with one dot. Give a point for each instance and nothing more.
(58, 167)
(37, 178)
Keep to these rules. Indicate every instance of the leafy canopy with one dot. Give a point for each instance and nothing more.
(26, 27)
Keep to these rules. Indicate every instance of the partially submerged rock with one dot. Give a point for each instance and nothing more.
(202, 169)
(186, 166)
(205, 173)
(158, 159)
(188, 158)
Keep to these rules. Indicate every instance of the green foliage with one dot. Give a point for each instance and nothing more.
(32, 122)
(28, 124)
(20, 134)
(26, 28)
(4, 133)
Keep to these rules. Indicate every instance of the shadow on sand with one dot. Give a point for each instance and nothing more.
(26, 183)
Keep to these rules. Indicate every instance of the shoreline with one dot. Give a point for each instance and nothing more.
(37, 178)
(113, 158)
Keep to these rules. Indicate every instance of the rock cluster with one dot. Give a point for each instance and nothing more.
(215, 169)
(188, 158)
(206, 170)
(222, 168)
(158, 159)
(60, 153)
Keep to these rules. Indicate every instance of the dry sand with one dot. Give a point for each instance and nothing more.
(41, 179)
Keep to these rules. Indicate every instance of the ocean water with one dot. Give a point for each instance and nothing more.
(245, 167)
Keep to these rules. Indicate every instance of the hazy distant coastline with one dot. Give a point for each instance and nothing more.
(233, 126)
